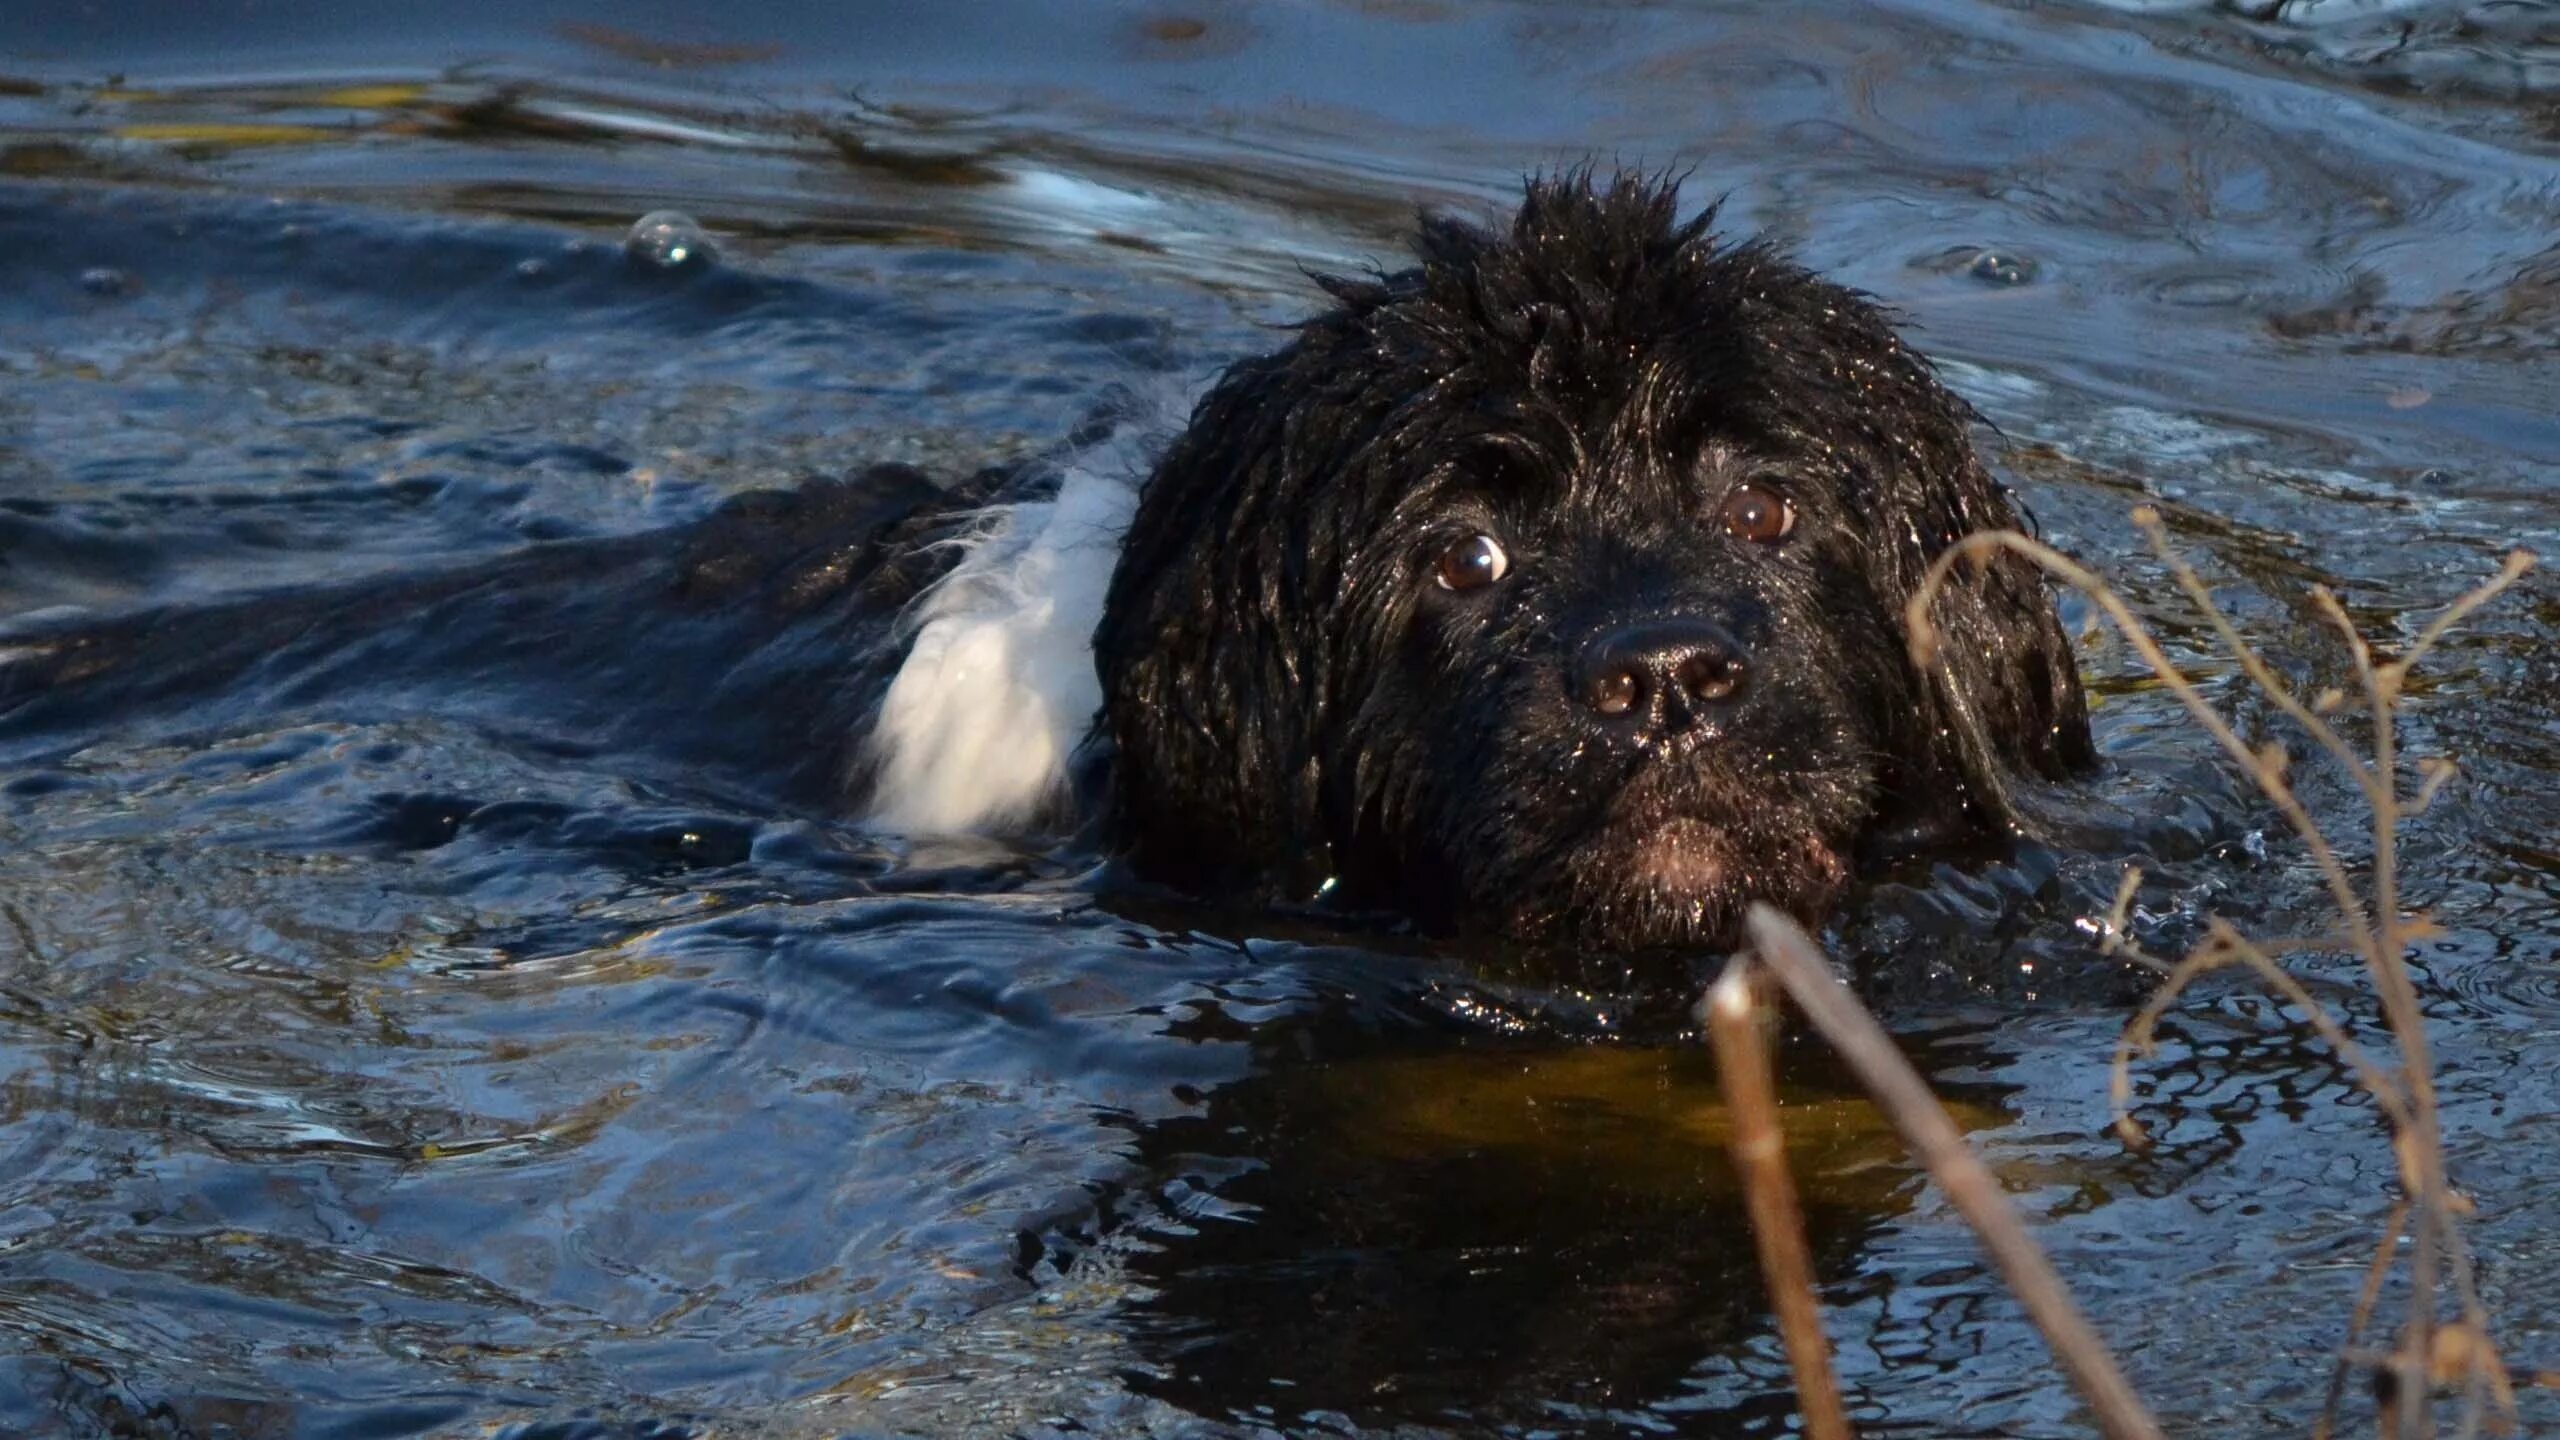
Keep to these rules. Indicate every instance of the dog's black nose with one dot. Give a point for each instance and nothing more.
(1660, 672)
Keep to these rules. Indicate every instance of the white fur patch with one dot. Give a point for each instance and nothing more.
(999, 687)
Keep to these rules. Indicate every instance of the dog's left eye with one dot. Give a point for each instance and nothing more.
(1762, 517)
(1473, 563)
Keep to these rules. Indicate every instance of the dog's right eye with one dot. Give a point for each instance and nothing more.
(1473, 563)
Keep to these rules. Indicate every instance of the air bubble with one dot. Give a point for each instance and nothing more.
(670, 240)
(1995, 267)
(107, 281)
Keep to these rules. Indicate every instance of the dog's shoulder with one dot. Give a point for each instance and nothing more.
(760, 634)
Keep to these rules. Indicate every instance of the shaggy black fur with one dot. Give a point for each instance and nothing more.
(1294, 697)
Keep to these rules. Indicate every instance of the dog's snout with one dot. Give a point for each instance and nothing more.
(1663, 672)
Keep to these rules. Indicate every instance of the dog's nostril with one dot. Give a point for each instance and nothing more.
(1615, 692)
(1710, 675)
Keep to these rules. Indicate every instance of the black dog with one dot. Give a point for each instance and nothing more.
(1552, 588)
(1555, 587)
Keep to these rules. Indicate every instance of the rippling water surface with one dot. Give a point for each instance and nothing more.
(386, 1060)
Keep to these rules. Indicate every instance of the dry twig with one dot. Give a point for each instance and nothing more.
(2430, 1352)
(1733, 1017)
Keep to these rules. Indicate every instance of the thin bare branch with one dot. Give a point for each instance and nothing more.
(2226, 947)
(2433, 773)
(2420, 1150)
(2251, 663)
(2512, 569)
(1734, 1022)
(2117, 939)
(2375, 1272)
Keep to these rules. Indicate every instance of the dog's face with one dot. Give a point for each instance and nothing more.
(1554, 588)
(1613, 683)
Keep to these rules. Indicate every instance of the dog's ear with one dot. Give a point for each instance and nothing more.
(1218, 643)
(1212, 669)
(2002, 678)
(2001, 691)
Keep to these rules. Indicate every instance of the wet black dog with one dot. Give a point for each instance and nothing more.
(1551, 588)
(1555, 586)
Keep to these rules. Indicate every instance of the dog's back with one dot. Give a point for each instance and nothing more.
(751, 646)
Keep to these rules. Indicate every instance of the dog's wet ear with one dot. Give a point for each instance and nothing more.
(1213, 674)
(2003, 691)
(1221, 635)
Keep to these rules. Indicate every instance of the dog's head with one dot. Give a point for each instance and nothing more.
(1553, 587)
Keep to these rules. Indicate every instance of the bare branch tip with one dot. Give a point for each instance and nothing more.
(1730, 996)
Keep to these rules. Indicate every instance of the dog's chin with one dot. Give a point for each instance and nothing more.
(1683, 855)
(1679, 877)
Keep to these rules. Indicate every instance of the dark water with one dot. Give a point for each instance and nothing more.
(386, 1062)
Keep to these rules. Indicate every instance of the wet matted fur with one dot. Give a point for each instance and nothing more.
(1294, 698)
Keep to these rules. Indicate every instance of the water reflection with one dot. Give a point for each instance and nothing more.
(419, 1049)
(1484, 1234)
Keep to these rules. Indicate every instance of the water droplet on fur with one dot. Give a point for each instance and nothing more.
(107, 281)
(670, 240)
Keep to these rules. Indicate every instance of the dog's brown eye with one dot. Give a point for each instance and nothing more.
(1762, 517)
(1473, 563)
